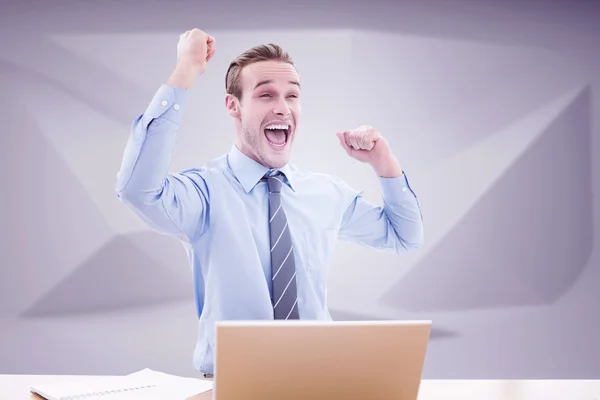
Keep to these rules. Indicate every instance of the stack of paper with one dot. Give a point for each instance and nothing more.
(145, 384)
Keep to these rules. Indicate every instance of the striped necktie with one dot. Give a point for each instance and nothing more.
(283, 266)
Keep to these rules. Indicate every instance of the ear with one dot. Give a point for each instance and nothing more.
(232, 105)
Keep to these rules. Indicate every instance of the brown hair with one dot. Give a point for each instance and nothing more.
(264, 52)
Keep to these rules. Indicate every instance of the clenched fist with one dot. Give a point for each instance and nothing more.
(194, 49)
(366, 144)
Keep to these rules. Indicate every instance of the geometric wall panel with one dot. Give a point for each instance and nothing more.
(49, 222)
(120, 275)
(448, 94)
(164, 250)
(81, 124)
(526, 240)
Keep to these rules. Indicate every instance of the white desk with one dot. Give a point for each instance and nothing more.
(16, 387)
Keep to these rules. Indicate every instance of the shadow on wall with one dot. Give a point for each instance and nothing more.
(533, 230)
(130, 271)
(436, 333)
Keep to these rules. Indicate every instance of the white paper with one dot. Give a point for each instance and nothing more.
(145, 384)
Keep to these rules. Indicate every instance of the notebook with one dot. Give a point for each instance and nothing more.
(145, 384)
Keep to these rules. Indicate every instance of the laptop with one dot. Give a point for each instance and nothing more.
(319, 359)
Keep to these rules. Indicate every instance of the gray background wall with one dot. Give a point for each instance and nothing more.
(490, 106)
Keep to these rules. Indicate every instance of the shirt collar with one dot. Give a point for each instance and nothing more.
(249, 172)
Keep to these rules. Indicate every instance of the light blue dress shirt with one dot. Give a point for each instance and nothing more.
(220, 213)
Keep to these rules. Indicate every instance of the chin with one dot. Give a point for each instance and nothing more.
(275, 161)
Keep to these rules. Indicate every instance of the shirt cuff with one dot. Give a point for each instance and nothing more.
(168, 103)
(397, 190)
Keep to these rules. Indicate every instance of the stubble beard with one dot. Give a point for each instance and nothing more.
(253, 142)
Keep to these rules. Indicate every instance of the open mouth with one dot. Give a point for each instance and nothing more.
(277, 135)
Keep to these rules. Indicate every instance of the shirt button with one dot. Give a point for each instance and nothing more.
(176, 107)
(164, 103)
(404, 188)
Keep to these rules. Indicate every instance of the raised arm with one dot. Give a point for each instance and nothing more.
(397, 224)
(174, 204)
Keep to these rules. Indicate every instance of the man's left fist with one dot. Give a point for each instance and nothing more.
(361, 138)
(366, 144)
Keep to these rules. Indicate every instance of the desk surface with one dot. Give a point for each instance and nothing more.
(16, 387)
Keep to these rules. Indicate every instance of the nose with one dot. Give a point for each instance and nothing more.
(281, 108)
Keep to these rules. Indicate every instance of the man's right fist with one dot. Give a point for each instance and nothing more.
(195, 48)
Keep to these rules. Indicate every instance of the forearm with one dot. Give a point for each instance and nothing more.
(403, 212)
(184, 75)
(150, 147)
(400, 203)
(395, 226)
(389, 168)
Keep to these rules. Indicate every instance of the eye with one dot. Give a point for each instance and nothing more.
(265, 95)
(294, 96)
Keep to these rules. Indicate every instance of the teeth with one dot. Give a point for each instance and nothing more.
(283, 127)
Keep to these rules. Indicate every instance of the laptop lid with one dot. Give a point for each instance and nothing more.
(320, 359)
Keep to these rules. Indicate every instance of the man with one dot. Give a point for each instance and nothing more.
(259, 232)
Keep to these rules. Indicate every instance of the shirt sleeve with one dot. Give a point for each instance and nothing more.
(395, 226)
(171, 203)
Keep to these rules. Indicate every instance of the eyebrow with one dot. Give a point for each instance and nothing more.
(269, 81)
